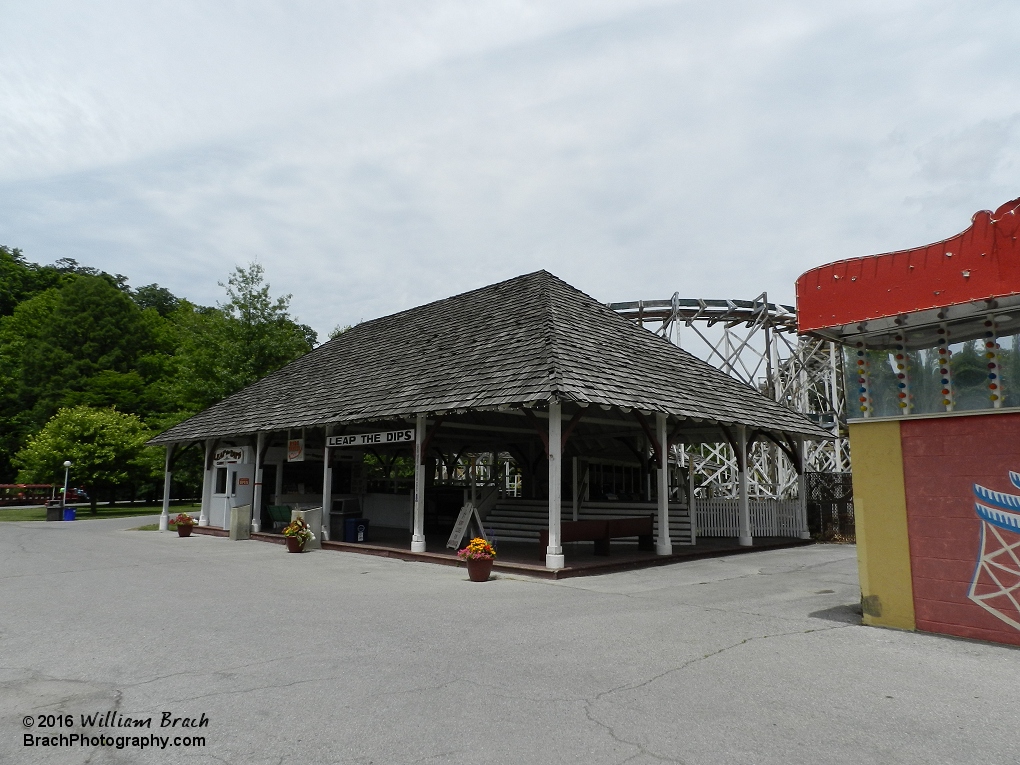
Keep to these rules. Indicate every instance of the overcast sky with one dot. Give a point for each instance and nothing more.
(378, 155)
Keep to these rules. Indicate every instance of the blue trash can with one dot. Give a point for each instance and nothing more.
(69, 513)
(355, 529)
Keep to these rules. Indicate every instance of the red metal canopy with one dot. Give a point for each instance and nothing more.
(956, 280)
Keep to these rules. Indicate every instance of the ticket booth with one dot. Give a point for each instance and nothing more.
(233, 483)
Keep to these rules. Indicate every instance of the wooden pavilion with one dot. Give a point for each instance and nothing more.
(529, 367)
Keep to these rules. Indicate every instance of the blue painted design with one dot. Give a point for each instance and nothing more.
(1001, 518)
(997, 498)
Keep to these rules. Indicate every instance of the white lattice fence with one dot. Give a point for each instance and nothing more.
(769, 517)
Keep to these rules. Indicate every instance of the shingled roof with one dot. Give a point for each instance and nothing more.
(525, 340)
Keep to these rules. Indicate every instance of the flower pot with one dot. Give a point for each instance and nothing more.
(479, 569)
(295, 545)
(184, 531)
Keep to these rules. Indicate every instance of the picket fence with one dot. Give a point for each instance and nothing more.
(769, 517)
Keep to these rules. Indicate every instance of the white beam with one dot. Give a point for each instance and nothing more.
(663, 545)
(208, 472)
(745, 510)
(327, 485)
(164, 518)
(805, 532)
(418, 535)
(256, 500)
(692, 511)
(554, 552)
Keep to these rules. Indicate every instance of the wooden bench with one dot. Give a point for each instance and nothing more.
(601, 531)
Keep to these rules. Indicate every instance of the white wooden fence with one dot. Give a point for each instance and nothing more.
(769, 517)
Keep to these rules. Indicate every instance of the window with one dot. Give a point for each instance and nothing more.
(221, 480)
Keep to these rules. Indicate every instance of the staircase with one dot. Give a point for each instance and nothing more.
(520, 520)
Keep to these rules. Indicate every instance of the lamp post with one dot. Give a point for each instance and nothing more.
(67, 469)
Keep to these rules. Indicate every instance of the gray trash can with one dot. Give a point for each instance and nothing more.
(54, 510)
(342, 511)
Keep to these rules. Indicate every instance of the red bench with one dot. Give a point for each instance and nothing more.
(600, 532)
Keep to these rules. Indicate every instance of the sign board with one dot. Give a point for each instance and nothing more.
(296, 450)
(231, 455)
(243, 481)
(373, 439)
(466, 513)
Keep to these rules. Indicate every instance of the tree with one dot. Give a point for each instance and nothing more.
(262, 336)
(20, 280)
(106, 449)
(220, 351)
(85, 342)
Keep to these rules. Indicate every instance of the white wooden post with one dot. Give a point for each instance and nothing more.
(744, 518)
(327, 484)
(663, 545)
(164, 518)
(418, 535)
(208, 471)
(554, 552)
(256, 500)
(805, 532)
(691, 509)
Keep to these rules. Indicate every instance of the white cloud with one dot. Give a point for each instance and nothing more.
(376, 159)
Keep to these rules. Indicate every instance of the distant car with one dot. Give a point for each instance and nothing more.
(77, 495)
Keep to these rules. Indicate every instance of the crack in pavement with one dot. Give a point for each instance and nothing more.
(590, 703)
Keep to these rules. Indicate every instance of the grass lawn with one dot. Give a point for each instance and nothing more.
(104, 511)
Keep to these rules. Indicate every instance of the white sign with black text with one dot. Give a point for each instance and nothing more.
(372, 439)
(466, 513)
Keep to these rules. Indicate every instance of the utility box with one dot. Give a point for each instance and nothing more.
(313, 517)
(240, 522)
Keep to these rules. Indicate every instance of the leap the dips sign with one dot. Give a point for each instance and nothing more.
(373, 439)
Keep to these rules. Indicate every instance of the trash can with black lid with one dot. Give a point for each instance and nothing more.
(356, 530)
(54, 510)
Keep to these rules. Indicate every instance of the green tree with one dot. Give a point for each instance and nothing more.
(262, 337)
(220, 351)
(20, 280)
(106, 448)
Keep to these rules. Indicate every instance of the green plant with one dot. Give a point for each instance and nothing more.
(477, 549)
(298, 529)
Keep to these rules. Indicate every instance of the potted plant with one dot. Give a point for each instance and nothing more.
(184, 523)
(479, 555)
(297, 534)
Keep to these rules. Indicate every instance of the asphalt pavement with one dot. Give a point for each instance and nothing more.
(330, 657)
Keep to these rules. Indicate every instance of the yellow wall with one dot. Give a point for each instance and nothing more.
(880, 515)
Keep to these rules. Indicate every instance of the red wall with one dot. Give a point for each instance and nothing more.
(942, 459)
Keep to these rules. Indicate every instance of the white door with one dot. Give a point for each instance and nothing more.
(242, 486)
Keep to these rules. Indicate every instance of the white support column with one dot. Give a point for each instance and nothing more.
(691, 509)
(164, 518)
(256, 499)
(744, 518)
(554, 552)
(327, 484)
(805, 532)
(208, 476)
(418, 535)
(663, 545)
